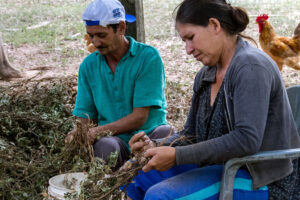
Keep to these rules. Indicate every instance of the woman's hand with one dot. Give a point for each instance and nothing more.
(140, 142)
(162, 158)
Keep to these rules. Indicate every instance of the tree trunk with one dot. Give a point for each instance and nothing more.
(135, 29)
(6, 70)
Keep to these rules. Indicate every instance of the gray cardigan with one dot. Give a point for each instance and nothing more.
(258, 114)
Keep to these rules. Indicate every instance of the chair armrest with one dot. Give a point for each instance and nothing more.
(232, 165)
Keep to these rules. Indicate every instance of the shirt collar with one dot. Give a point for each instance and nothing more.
(132, 46)
(210, 74)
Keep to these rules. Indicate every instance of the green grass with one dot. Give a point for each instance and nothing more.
(64, 21)
(284, 14)
(65, 18)
(64, 26)
(159, 23)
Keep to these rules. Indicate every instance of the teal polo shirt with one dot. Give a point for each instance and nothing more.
(138, 81)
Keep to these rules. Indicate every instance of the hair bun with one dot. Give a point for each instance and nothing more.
(240, 17)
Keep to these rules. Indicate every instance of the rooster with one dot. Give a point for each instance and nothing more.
(297, 30)
(91, 48)
(283, 50)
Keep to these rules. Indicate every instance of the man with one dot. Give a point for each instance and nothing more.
(120, 86)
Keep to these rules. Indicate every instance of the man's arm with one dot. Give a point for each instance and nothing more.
(131, 122)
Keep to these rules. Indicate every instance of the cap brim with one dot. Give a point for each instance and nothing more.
(92, 23)
(130, 18)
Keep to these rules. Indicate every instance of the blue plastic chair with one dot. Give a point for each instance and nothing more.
(232, 165)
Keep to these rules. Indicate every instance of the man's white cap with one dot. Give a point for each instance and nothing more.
(104, 12)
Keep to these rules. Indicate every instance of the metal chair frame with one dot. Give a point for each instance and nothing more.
(231, 166)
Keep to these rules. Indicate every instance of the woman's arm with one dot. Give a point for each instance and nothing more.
(251, 97)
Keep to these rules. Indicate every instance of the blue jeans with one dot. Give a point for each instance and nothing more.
(189, 182)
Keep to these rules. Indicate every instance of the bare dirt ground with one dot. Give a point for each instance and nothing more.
(36, 63)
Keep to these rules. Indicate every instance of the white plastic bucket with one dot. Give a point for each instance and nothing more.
(57, 189)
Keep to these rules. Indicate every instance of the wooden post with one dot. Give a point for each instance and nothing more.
(6, 70)
(140, 20)
(136, 29)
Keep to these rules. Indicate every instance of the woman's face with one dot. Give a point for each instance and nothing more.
(201, 42)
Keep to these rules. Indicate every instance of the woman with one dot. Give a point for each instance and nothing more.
(239, 107)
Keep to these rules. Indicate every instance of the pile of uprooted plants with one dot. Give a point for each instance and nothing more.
(35, 117)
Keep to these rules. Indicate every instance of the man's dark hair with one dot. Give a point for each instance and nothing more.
(114, 27)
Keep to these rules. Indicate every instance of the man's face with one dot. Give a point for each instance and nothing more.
(104, 38)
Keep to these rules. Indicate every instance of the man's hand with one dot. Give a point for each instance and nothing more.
(162, 158)
(70, 136)
(140, 142)
(92, 135)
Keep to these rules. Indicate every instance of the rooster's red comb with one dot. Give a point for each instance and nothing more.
(262, 17)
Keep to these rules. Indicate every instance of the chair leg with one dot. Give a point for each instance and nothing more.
(228, 176)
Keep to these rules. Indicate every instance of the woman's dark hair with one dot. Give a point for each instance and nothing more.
(233, 20)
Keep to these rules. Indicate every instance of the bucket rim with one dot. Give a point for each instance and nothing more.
(66, 189)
